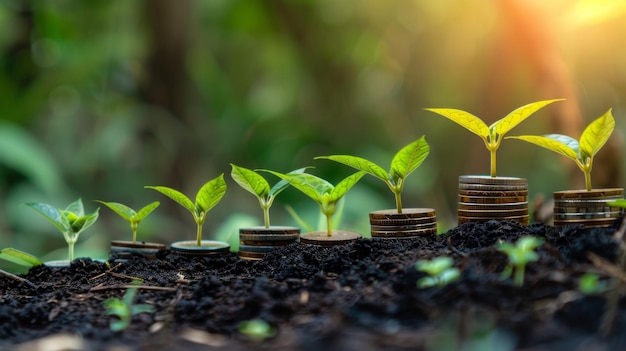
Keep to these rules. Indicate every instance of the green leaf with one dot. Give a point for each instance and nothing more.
(251, 181)
(84, 222)
(145, 211)
(359, 164)
(529, 243)
(464, 119)
(283, 184)
(312, 186)
(346, 184)
(175, 195)
(504, 125)
(142, 308)
(20, 257)
(211, 193)
(52, 214)
(76, 208)
(122, 210)
(561, 144)
(617, 203)
(435, 266)
(409, 158)
(596, 134)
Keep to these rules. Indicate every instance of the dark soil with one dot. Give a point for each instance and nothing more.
(362, 296)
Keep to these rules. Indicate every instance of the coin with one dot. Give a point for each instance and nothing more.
(492, 180)
(412, 221)
(494, 193)
(409, 213)
(586, 215)
(610, 193)
(400, 228)
(491, 199)
(585, 209)
(254, 256)
(489, 187)
(598, 222)
(520, 219)
(268, 237)
(404, 233)
(493, 214)
(494, 207)
(339, 237)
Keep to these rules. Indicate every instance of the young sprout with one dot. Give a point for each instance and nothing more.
(403, 163)
(590, 284)
(519, 256)
(254, 183)
(321, 191)
(257, 329)
(71, 222)
(207, 197)
(492, 135)
(132, 217)
(581, 151)
(440, 272)
(125, 308)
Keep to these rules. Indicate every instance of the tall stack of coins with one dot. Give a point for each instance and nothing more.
(588, 208)
(483, 198)
(410, 223)
(255, 242)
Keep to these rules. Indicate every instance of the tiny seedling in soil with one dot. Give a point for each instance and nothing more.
(440, 272)
(254, 183)
(257, 329)
(71, 222)
(403, 163)
(321, 191)
(207, 197)
(520, 254)
(492, 135)
(581, 151)
(590, 284)
(132, 217)
(125, 308)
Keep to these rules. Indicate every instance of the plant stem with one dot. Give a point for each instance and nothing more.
(199, 234)
(493, 163)
(70, 247)
(519, 275)
(134, 236)
(329, 224)
(398, 201)
(588, 180)
(266, 217)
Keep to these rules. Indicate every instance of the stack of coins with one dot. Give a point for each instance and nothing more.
(410, 223)
(588, 208)
(338, 237)
(483, 198)
(255, 242)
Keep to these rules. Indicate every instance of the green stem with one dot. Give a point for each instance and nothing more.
(134, 235)
(70, 247)
(398, 201)
(266, 217)
(588, 180)
(519, 275)
(199, 234)
(329, 224)
(493, 163)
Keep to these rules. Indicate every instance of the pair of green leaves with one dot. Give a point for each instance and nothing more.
(254, 183)
(125, 308)
(440, 272)
(493, 134)
(520, 254)
(582, 151)
(207, 197)
(71, 221)
(131, 216)
(403, 163)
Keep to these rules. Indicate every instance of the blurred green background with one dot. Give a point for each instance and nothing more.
(99, 98)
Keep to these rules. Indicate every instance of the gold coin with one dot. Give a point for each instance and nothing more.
(412, 221)
(268, 237)
(493, 180)
(586, 215)
(274, 230)
(255, 248)
(492, 188)
(494, 194)
(586, 209)
(493, 207)
(402, 234)
(491, 200)
(593, 194)
(409, 213)
(599, 222)
(253, 256)
(492, 214)
(267, 243)
(520, 219)
(403, 227)
(339, 237)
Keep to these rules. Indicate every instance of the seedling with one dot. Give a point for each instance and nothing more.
(403, 163)
(581, 151)
(440, 272)
(519, 256)
(492, 135)
(125, 308)
(321, 191)
(207, 197)
(132, 217)
(254, 183)
(71, 222)
(590, 284)
(257, 329)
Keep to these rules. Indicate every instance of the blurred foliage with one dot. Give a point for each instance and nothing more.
(99, 98)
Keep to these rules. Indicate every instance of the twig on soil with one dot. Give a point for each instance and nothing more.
(124, 286)
(119, 275)
(613, 295)
(19, 279)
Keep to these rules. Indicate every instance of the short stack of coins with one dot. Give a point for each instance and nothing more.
(484, 198)
(588, 208)
(256, 242)
(411, 222)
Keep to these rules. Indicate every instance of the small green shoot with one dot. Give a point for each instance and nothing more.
(257, 329)
(125, 308)
(581, 151)
(520, 254)
(254, 183)
(492, 135)
(71, 222)
(590, 284)
(19, 257)
(132, 217)
(207, 197)
(440, 272)
(321, 191)
(403, 163)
